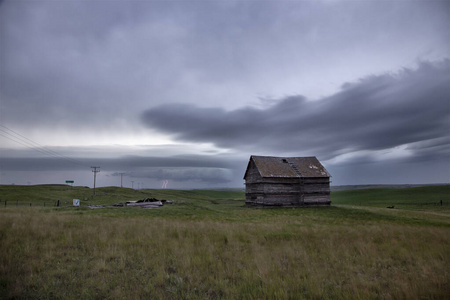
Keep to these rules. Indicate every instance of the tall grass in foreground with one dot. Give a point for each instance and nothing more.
(44, 255)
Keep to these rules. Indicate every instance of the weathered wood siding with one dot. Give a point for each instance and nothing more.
(319, 199)
(288, 190)
(278, 191)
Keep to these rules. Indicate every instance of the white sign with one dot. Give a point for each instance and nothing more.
(76, 202)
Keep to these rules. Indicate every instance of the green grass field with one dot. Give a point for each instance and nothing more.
(207, 245)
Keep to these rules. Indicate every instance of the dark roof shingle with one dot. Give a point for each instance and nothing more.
(269, 166)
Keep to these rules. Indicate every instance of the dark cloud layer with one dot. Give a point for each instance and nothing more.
(76, 76)
(82, 63)
(411, 107)
(183, 174)
(178, 168)
(124, 163)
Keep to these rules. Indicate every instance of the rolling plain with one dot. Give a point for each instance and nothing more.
(208, 245)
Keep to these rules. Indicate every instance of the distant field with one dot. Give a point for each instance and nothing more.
(336, 188)
(207, 245)
(426, 197)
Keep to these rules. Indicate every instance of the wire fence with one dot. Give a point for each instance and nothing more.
(69, 203)
(49, 203)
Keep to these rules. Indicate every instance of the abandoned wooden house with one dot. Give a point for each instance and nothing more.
(286, 181)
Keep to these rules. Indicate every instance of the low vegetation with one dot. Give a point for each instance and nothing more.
(207, 245)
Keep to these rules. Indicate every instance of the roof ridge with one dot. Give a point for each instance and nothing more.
(294, 157)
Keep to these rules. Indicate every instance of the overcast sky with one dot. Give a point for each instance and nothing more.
(186, 91)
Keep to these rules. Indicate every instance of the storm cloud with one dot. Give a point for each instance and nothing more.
(82, 63)
(181, 170)
(219, 176)
(187, 90)
(368, 118)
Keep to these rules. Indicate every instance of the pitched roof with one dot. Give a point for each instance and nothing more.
(269, 166)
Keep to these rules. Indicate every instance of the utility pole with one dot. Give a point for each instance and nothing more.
(132, 184)
(121, 175)
(95, 171)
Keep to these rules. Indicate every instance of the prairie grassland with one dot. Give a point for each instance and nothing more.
(220, 250)
(416, 198)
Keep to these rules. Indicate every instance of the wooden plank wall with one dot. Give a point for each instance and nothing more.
(289, 191)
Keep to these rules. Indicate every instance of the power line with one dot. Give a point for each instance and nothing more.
(34, 145)
(24, 141)
(29, 143)
(26, 145)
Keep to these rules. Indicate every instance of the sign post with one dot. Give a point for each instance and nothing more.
(76, 202)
